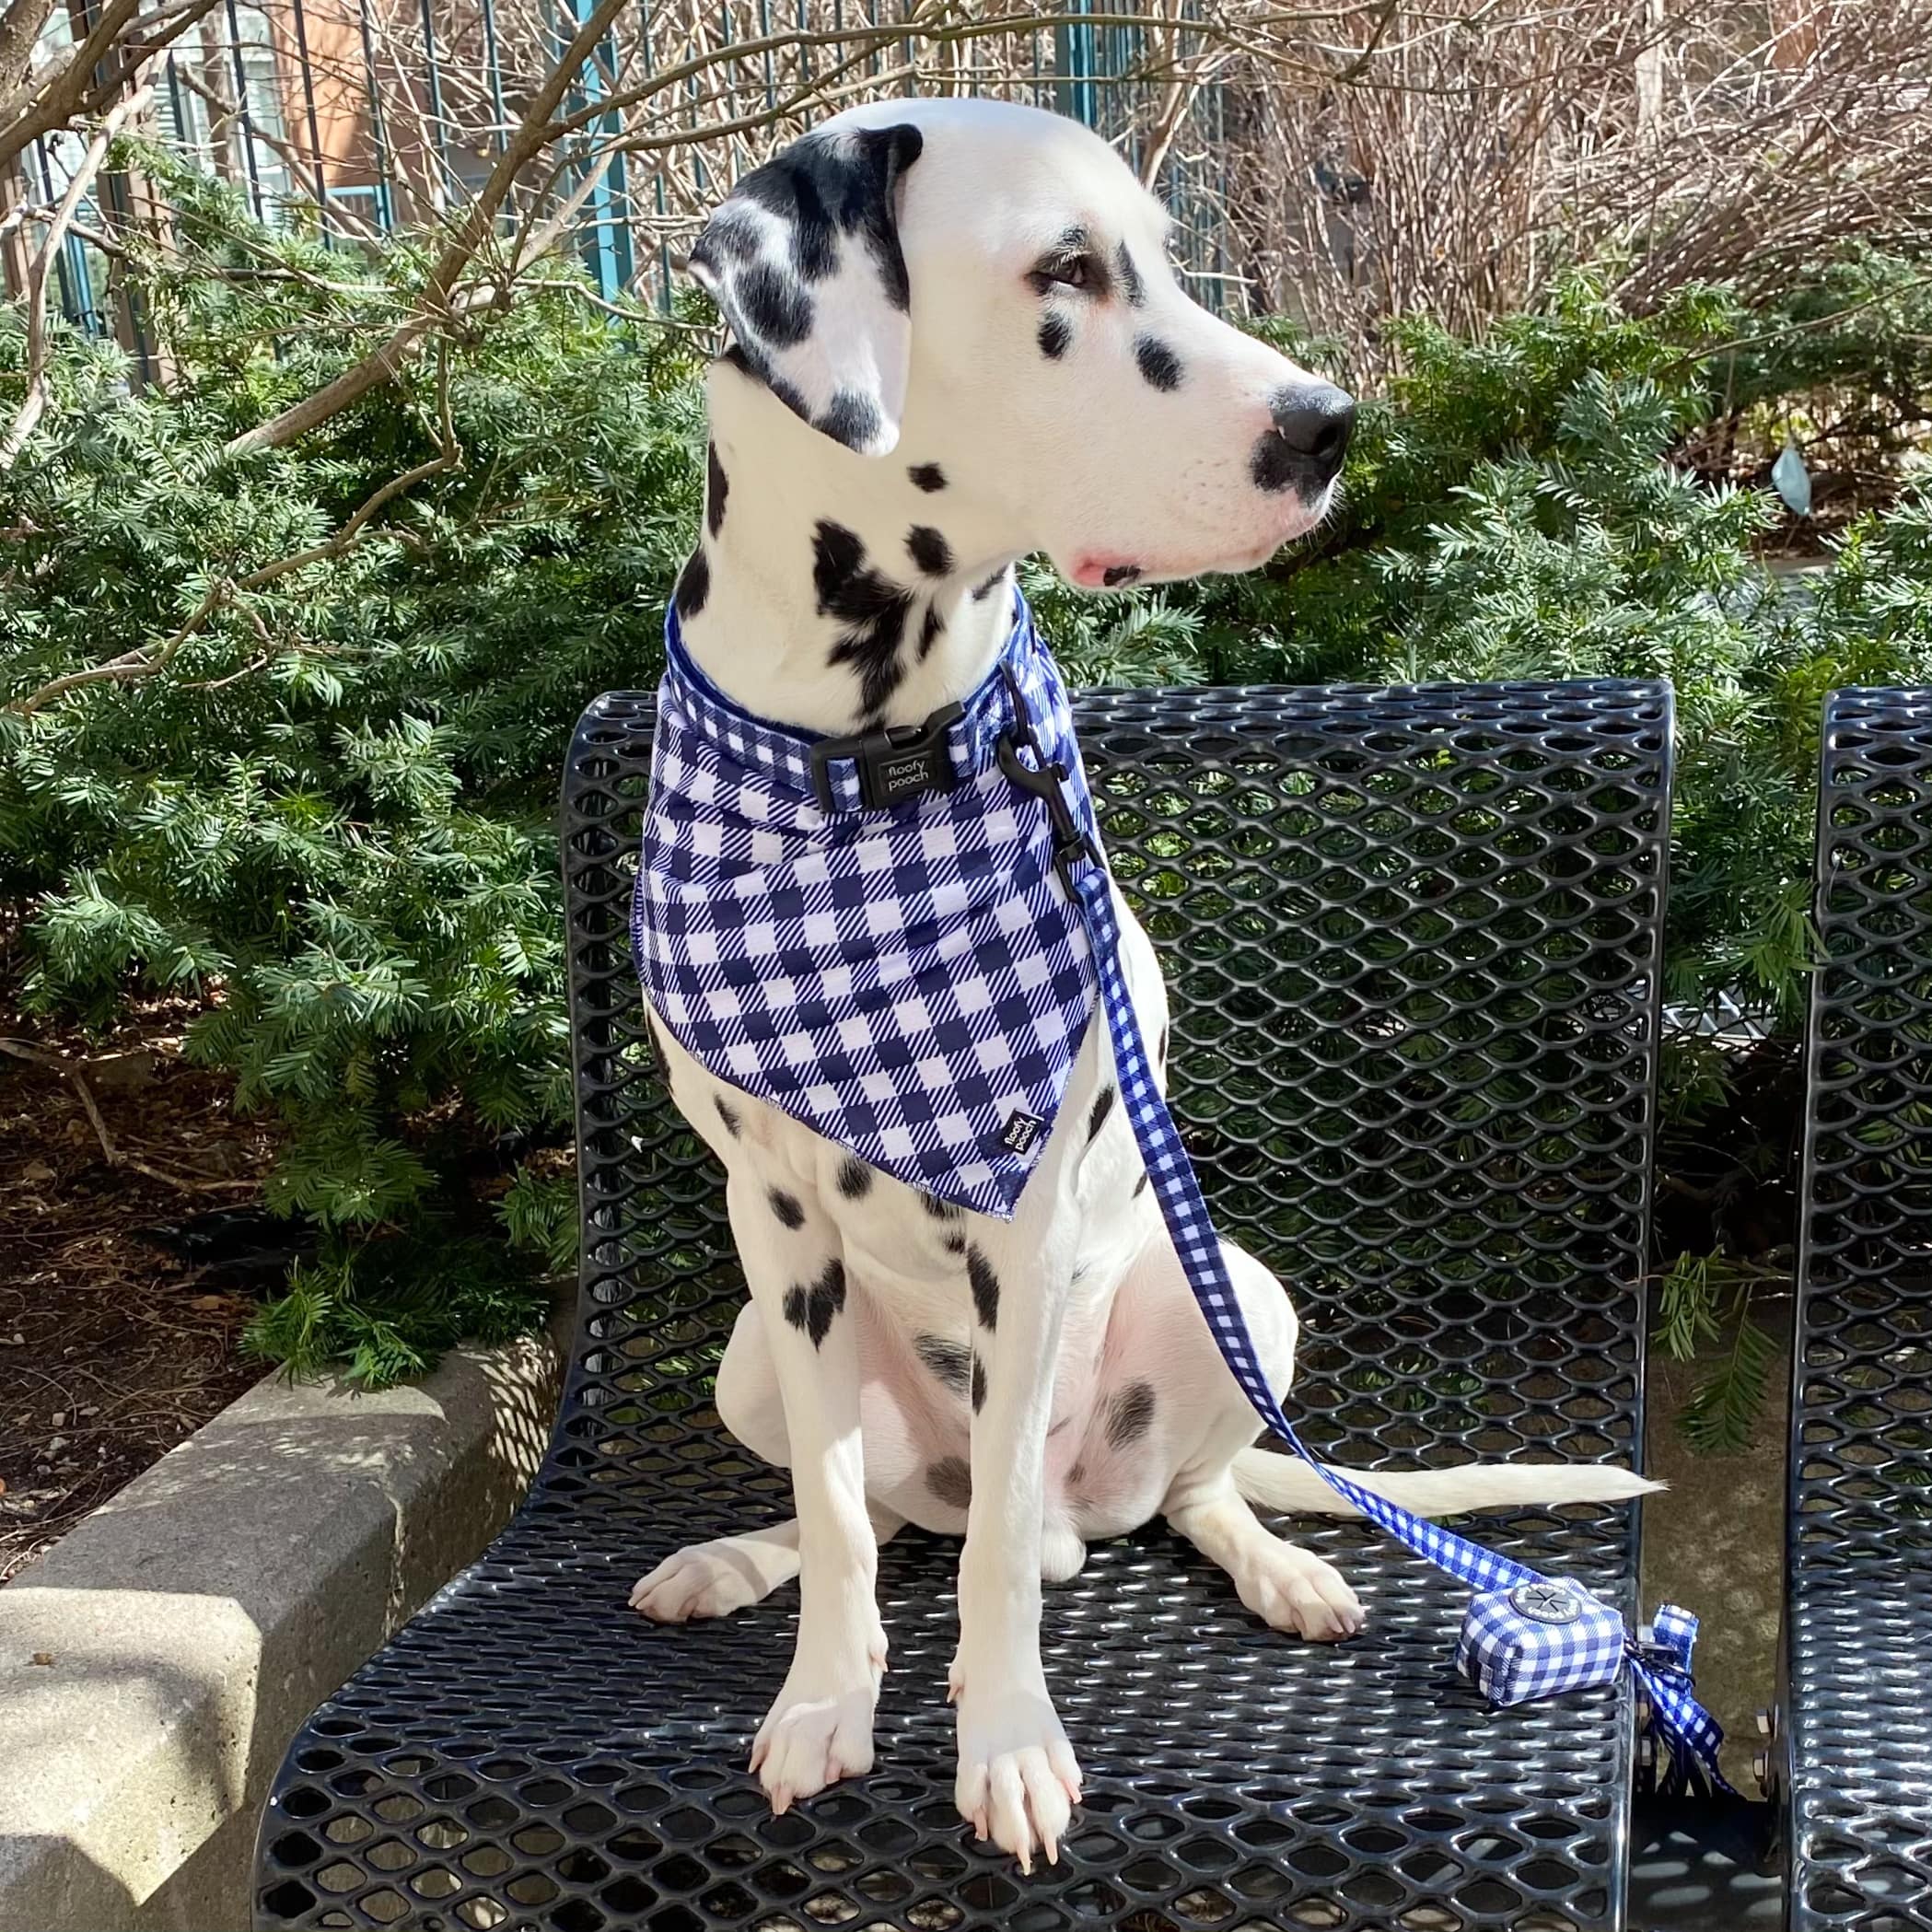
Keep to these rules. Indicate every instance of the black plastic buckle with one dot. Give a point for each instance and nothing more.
(1046, 781)
(893, 761)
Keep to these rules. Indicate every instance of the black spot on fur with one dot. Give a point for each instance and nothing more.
(850, 419)
(985, 1289)
(731, 236)
(716, 487)
(1097, 1115)
(927, 477)
(951, 1481)
(755, 368)
(1137, 290)
(785, 1207)
(1055, 334)
(812, 1310)
(1139, 1187)
(870, 608)
(990, 585)
(693, 584)
(929, 631)
(955, 1244)
(854, 1178)
(729, 1114)
(772, 306)
(941, 1210)
(979, 1384)
(1157, 363)
(1160, 1052)
(929, 549)
(828, 185)
(1117, 573)
(950, 1361)
(1130, 1414)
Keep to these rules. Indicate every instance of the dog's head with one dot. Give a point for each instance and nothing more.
(987, 289)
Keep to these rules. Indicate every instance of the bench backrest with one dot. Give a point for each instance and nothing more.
(1413, 943)
(1859, 1572)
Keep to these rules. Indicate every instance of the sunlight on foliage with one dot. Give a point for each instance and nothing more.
(330, 818)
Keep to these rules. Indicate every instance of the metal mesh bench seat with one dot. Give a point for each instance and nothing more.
(1856, 1719)
(1413, 939)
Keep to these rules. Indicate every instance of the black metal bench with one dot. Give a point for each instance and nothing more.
(1413, 939)
(1855, 1744)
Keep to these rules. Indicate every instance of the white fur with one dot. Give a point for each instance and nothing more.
(1083, 458)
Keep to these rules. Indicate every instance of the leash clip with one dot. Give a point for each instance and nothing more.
(893, 761)
(1046, 781)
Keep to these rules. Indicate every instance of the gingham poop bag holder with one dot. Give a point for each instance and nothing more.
(896, 939)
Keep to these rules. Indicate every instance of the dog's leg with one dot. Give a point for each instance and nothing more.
(712, 1580)
(820, 1729)
(1018, 1777)
(1287, 1586)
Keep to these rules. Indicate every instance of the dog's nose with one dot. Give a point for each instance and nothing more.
(1315, 419)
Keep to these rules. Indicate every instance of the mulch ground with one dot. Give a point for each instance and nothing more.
(122, 1299)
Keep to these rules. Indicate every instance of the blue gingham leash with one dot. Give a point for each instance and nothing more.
(730, 790)
(1507, 1609)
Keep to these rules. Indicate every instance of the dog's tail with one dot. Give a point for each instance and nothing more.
(1287, 1486)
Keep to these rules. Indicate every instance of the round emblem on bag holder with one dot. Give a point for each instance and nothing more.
(1546, 1602)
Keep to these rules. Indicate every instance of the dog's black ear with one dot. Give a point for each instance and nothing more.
(804, 262)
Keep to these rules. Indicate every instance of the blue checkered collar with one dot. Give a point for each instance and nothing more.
(869, 771)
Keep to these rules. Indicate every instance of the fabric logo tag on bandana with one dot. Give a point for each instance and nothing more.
(1022, 1132)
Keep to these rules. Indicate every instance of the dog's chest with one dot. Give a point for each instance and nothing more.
(909, 1254)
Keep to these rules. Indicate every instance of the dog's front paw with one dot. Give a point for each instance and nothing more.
(1294, 1589)
(819, 1728)
(1019, 1779)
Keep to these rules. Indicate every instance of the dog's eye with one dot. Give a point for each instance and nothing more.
(1066, 272)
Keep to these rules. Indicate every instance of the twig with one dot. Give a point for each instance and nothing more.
(374, 371)
(84, 77)
(114, 1155)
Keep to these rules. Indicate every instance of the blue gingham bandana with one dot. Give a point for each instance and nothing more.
(898, 939)
(908, 981)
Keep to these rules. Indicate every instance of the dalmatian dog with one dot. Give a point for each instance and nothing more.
(957, 340)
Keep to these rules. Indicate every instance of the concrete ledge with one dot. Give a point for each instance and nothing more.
(190, 1625)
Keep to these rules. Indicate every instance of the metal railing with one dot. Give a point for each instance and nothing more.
(365, 116)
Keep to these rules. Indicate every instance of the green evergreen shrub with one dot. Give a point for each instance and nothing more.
(328, 813)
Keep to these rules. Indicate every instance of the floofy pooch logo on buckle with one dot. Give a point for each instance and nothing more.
(900, 777)
(894, 763)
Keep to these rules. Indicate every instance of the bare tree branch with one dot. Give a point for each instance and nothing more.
(67, 87)
(532, 136)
